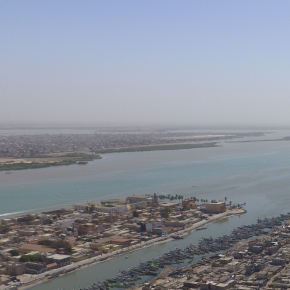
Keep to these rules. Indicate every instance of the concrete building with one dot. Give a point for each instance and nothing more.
(189, 204)
(169, 205)
(86, 206)
(60, 260)
(15, 269)
(111, 218)
(63, 224)
(122, 242)
(35, 268)
(27, 248)
(215, 207)
(139, 198)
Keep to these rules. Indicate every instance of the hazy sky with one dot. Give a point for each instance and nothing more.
(145, 62)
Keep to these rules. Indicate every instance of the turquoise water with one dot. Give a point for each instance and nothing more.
(255, 173)
(231, 170)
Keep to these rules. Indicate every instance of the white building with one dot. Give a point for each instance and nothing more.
(63, 224)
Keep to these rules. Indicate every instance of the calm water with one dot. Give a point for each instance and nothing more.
(231, 170)
(255, 173)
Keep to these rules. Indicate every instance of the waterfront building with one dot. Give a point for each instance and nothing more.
(60, 260)
(15, 269)
(215, 207)
(35, 268)
(86, 206)
(122, 242)
(189, 204)
(139, 198)
(169, 205)
(113, 201)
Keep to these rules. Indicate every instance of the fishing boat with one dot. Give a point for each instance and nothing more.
(202, 228)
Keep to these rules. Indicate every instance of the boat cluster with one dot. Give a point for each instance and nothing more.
(128, 278)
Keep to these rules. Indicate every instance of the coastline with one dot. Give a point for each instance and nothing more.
(12, 164)
(42, 278)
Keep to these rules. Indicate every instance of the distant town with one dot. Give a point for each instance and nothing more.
(36, 151)
(41, 246)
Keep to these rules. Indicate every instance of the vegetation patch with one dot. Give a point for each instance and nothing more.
(159, 147)
(66, 159)
(56, 244)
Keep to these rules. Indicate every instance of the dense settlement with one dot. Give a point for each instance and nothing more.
(255, 257)
(45, 245)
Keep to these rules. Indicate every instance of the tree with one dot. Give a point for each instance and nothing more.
(26, 219)
(30, 258)
(135, 213)
(56, 244)
(165, 213)
(24, 259)
(14, 253)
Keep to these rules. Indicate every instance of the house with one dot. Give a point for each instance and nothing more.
(15, 269)
(26, 248)
(63, 224)
(139, 198)
(189, 204)
(122, 242)
(60, 260)
(215, 207)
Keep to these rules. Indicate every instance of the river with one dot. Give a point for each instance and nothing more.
(253, 172)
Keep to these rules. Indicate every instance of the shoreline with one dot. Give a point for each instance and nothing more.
(104, 258)
(15, 164)
(8, 165)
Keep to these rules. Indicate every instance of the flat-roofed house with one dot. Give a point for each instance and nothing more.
(215, 207)
(27, 248)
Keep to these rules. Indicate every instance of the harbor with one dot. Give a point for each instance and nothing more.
(48, 275)
(193, 247)
(205, 247)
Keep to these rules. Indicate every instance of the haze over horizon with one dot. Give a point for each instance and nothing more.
(145, 62)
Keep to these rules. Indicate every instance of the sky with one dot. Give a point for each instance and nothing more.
(182, 62)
